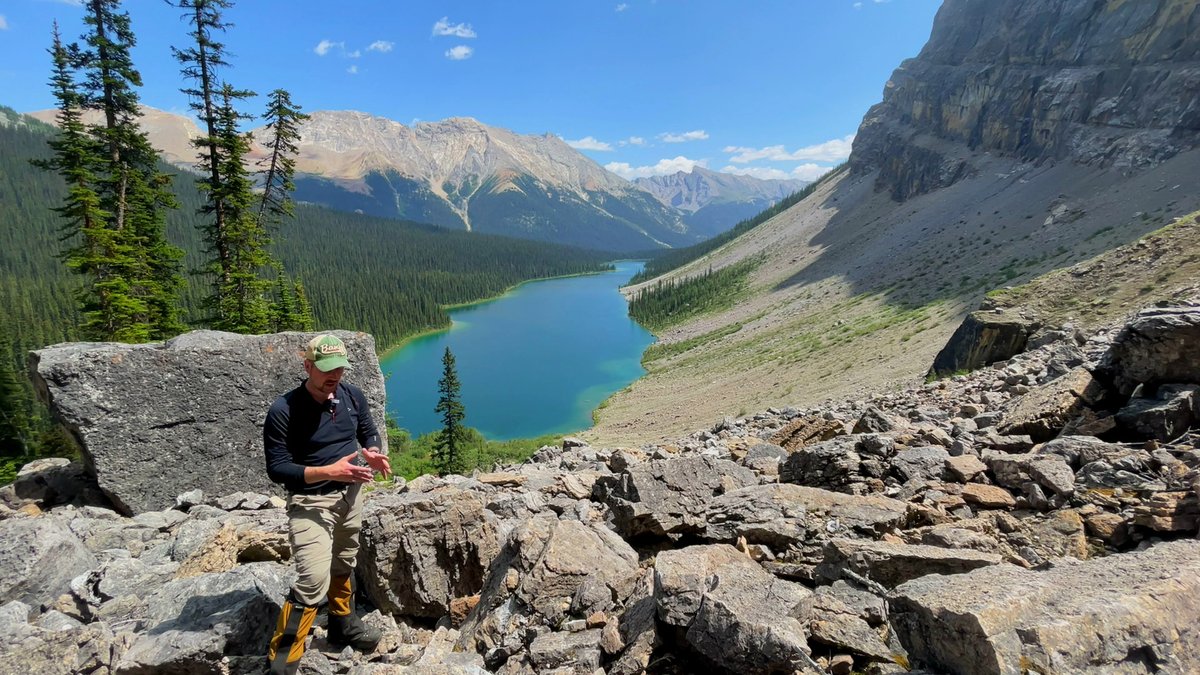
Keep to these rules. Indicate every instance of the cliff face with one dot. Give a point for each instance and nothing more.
(1099, 82)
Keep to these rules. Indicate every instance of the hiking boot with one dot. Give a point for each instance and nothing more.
(350, 630)
(287, 644)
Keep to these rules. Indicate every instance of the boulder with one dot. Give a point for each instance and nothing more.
(1127, 613)
(39, 558)
(70, 650)
(983, 338)
(679, 578)
(833, 624)
(580, 651)
(421, 550)
(547, 571)
(1044, 411)
(1165, 417)
(157, 420)
(668, 496)
(764, 458)
(55, 480)
(874, 420)
(735, 613)
(1048, 470)
(1160, 345)
(988, 496)
(192, 624)
(633, 634)
(806, 431)
(927, 463)
(1081, 450)
(1169, 512)
(794, 520)
(964, 467)
(892, 564)
(832, 465)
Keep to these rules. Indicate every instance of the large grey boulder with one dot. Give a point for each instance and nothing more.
(833, 464)
(735, 612)
(1160, 346)
(191, 624)
(794, 521)
(422, 550)
(983, 338)
(1045, 411)
(1165, 417)
(156, 420)
(1125, 613)
(55, 480)
(25, 648)
(38, 559)
(669, 496)
(548, 571)
(891, 564)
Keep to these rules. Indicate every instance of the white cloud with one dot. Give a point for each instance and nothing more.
(459, 53)
(808, 172)
(588, 143)
(461, 30)
(836, 150)
(354, 54)
(381, 46)
(353, 70)
(324, 46)
(697, 135)
(632, 140)
(664, 167)
(622, 7)
(3, 23)
(858, 5)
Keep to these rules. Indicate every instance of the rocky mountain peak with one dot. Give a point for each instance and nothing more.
(690, 191)
(1100, 83)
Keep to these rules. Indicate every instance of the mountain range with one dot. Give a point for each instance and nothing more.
(461, 174)
(712, 201)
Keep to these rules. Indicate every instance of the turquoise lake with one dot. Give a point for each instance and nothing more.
(535, 361)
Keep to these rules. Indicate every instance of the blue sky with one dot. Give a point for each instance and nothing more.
(773, 88)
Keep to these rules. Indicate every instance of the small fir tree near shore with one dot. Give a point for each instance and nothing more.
(450, 449)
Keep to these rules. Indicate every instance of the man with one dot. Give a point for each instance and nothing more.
(312, 436)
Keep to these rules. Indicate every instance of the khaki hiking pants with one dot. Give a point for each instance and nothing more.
(323, 530)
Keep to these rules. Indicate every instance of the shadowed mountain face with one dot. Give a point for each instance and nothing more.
(1097, 82)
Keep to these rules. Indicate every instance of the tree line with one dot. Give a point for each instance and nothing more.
(673, 301)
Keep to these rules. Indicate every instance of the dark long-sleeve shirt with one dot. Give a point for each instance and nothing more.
(300, 432)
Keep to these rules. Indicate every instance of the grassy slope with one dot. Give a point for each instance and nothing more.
(857, 293)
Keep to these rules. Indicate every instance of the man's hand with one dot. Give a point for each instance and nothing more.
(344, 471)
(378, 461)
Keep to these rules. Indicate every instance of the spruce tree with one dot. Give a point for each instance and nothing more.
(284, 315)
(278, 169)
(242, 299)
(132, 188)
(304, 310)
(200, 63)
(103, 255)
(237, 243)
(450, 448)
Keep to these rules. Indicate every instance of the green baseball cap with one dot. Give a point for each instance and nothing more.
(327, 353)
